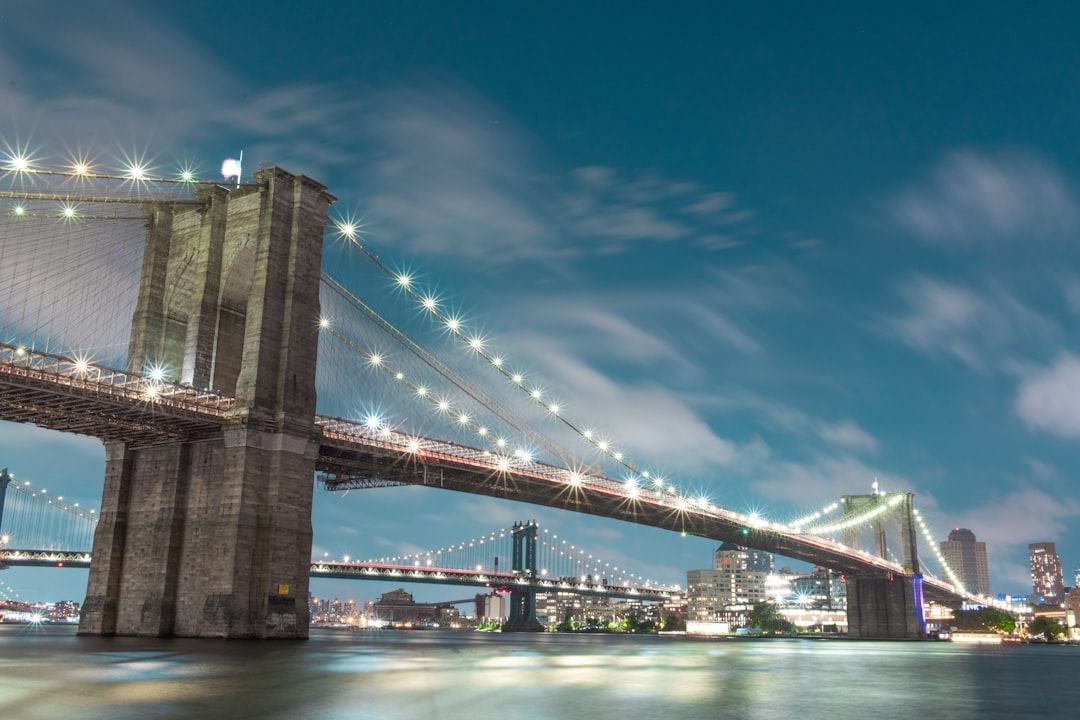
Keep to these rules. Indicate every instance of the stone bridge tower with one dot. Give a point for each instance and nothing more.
(211, 536)
(886, 606)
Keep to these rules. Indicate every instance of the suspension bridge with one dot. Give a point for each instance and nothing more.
(192, 327)
(39, 530)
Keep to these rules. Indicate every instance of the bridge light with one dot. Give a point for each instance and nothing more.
(324, 322)
(464, 418)
(187, 176)
(476, 343)
(429, 303)
(136, 172)
(482, 431)
(536, 393)
(497, 361)
(347, 229)
(404, 280)
(453, 323)
(69, 211)
(518, 378)
(18, 210)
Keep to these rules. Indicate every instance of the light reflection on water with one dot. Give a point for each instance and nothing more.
(50, 673)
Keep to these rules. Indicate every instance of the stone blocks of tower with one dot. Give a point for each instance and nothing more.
(211, 536)
(885, 607)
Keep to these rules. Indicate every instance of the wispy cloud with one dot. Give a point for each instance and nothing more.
(435, 166)
(824, 478)
(1070, 288)
(949, 319)
(1049, 398)
(648, 421)
(977, 197)
(845, 434)
(453, 173)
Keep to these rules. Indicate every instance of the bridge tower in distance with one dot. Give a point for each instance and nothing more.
(211, 536)
(5, 480)
(885, 606)
(523, 601)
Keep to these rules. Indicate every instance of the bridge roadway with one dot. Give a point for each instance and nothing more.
(66, 394)
(386, 572)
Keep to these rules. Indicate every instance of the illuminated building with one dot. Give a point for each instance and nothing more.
(398, 608)
(967, 557)
(730, 589)
(1047, 584)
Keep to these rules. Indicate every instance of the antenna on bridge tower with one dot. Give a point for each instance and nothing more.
(233, 167)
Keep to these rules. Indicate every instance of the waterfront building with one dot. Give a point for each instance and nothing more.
(496, 607)
(739, 578)
(63, 611)
(1047, 584)
(967, 557)
(553, 608)
(398, 609)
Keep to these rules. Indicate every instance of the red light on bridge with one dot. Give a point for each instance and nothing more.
(60, 564)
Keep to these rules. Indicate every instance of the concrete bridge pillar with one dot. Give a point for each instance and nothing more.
(211, 536)
(885, 608)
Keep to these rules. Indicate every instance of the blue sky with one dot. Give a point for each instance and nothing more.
(775, 251)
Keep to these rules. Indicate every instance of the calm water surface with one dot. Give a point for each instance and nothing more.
(49, 673)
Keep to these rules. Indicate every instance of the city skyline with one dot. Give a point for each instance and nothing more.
(778, 276)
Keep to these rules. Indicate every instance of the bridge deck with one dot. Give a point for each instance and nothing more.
(63, 394)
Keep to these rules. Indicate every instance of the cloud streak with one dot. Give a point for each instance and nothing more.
(1049, 399)
(950, 319)
(974, 197)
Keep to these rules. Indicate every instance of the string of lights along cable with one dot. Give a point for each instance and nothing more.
(70, 226)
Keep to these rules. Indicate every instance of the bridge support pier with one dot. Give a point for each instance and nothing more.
(885, 608)
(211, 536)
(523, 602)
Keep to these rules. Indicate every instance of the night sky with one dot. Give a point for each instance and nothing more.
(773, 250)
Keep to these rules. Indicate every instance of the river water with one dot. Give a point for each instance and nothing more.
(48, 672)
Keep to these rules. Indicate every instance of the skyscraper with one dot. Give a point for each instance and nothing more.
(1046, 579)
(967, 557)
